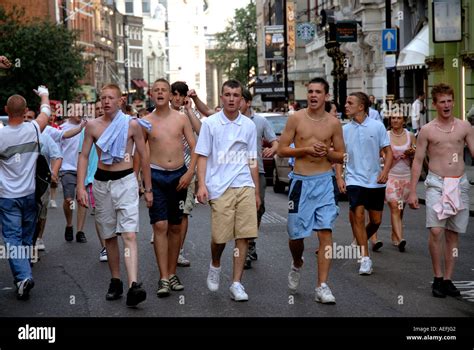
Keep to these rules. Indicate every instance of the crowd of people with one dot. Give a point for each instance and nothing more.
(173, 157)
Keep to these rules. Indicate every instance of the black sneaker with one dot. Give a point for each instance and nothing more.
(69, 233)
(450, 289)
(248, 262)
(81, 237)
(23, 289)
(401, 245)
(115, 289)
(437, 288)
(136, 294)
(376, 246)
(252, 252)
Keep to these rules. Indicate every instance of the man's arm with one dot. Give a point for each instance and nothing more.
(144, 160)
(421, 147)
(336, 155)
(73, 132)
(202, 193)
(45, 108)
(55, 166)
(185, 180)
(201, 106)
(136, 157)
(83, 161)
(4, 63)
(269, 135)
(286, 138)
(470, 138)
(195, 122)
(388, 155)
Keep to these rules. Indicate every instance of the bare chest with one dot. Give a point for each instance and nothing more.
(309, 131)
(165, 130)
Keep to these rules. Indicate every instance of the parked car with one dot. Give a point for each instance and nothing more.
(278, 122)
(3, 120)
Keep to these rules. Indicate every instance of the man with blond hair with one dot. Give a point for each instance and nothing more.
(443, 140)
(115, 188)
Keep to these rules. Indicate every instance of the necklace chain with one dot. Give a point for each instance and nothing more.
(314, 120)
(398, 135)
(445, 131)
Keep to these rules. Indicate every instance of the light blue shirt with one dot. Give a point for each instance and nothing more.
(228, 146)
(264, 131)
(374, 114)
(93, 161)
(363, 144)
(49, 148)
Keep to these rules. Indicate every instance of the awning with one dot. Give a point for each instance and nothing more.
(413, 55)
(139, 83)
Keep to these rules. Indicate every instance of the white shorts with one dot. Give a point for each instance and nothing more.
(116, 206)
(434, 189)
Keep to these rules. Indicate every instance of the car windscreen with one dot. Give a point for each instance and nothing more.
(278, 123)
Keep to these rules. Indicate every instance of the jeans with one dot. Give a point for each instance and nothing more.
(18, 221)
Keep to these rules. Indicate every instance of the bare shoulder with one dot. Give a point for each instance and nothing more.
(465, 125)
(148, 116)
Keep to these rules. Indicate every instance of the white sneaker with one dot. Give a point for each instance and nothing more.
(182, 261)
(213, 278)
(103, 255)
(324, 295)
(365, 266)
(152, 239)
(52, 204)
(237, 292)
(40, 244)
(294, 278)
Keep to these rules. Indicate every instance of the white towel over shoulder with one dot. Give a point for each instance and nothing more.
(113, 140)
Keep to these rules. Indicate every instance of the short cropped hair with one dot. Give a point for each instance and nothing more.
(441, 89)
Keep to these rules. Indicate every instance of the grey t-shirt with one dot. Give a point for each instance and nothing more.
(264, 131)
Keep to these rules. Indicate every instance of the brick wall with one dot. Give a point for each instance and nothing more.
(33, 8)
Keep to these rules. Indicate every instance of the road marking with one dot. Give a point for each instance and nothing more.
(273, 218)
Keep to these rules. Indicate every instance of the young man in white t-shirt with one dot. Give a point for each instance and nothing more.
(18, 207)
(228, 179)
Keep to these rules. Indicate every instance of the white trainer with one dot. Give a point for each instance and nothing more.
(52, 204)
(40, 244)
(182, 261)
(103, 255)
(294, 278)
(213, 278)
(365, 266)
(237, 292)
(324, 295)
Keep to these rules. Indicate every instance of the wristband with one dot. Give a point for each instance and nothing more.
(46, 109)
(148, 191)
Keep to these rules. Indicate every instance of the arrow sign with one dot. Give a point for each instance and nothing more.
(389, 39)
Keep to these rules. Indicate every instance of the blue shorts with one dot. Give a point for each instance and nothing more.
(312, 204)
(168, 204)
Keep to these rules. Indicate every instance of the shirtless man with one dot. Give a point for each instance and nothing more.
(170, 181)
(312, 198)
(115, 189)
(443, 140)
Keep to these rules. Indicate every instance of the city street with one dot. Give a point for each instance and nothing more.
(71, 282)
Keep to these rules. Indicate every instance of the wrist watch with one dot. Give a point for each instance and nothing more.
(148, 191)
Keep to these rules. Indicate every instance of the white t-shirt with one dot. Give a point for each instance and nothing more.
(18, 155)
(228, 146)
(55, 134)
(417, 116)
(70, 148)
